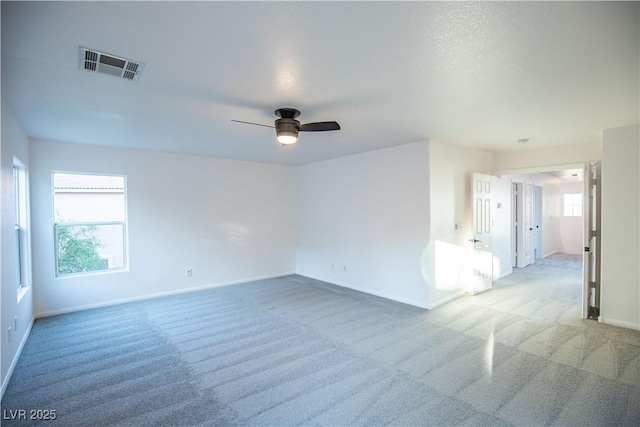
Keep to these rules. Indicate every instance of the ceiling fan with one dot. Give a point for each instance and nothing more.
(287, 127)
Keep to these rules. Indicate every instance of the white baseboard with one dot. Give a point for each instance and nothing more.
(157, 295)
(503, 275)
(621, 323)
(367, 291)
(549, 254)
(443, 301)
(14, 362)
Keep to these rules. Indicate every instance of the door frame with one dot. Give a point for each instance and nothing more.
(559, 167)
(519, 224)
(591, 236)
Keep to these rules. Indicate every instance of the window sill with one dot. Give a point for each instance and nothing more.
(22, 291)
(92, 273)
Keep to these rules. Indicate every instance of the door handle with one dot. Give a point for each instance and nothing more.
(474, 240)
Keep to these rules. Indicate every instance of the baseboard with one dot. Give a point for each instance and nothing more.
(503, 275)
(157, 295)
(443, 301)
(14, 362)
(621, 323)
(366, 291)
(549, 254)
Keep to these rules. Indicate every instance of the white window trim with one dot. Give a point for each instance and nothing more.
(22, 227)
(125, 222)
(571, 208)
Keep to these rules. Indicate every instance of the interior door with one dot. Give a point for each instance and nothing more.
(537, 223)
(528, 256)
(591, 236)
(482, 259)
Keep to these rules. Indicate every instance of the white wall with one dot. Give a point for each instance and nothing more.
(551, 217)
(450, 172)
(228, 221)
(620, 280)
(14, 143)
(363, 221)
(571, 227)
(398, 219)
(501, 226)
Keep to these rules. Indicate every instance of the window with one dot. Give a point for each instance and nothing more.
(21, 235)
(90, 222)
(572, 204)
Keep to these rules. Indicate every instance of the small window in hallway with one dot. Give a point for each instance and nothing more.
(572, 204)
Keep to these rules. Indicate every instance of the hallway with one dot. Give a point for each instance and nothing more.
(537, 309)
(549, 290)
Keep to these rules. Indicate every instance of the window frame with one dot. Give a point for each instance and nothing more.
(570, 207)
(21, 237)
(57, 225)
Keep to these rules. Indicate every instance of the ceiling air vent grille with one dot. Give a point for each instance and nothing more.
(93, 60)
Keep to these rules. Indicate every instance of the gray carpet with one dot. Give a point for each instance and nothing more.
(295, 351)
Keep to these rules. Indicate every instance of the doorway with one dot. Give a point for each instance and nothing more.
(540, 229)
(523, 224)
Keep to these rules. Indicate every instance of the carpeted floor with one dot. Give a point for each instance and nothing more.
(295, 351)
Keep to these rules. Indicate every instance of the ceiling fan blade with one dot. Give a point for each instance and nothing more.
(255, 124)
(319, 126)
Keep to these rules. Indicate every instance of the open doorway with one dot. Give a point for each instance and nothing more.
(554, 214)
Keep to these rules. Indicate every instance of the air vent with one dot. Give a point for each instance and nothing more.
(93, 60)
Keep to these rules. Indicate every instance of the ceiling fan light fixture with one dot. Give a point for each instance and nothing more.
(287, 137)
(287, 127)
(287, 130)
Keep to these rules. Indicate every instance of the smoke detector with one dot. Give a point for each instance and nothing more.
(100, 62)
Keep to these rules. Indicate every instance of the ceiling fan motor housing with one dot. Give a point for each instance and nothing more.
(287, 113)
(287, 128)
(287, 125)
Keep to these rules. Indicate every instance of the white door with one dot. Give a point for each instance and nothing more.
(591, 257)
(537, 223)
(527, 211)
(482, 258)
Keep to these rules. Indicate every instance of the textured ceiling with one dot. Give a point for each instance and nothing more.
(478, 74)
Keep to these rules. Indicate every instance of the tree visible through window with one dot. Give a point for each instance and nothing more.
(90, 226)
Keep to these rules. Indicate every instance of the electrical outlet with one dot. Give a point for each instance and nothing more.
(189, 272)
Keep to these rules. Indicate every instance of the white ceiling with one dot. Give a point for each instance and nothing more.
(568, 175)
(479, 74)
